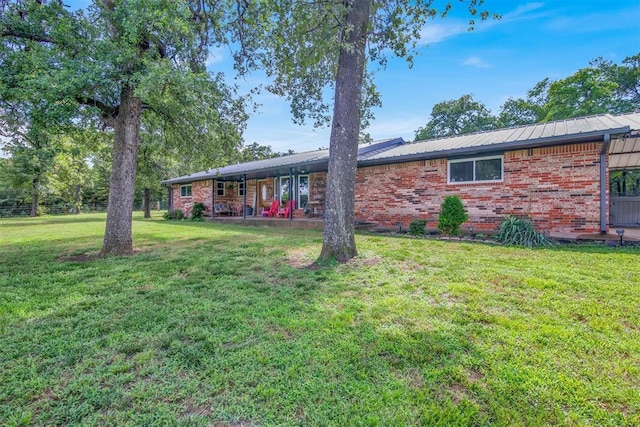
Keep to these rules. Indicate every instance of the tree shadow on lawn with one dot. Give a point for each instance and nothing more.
(49, 220)
(263, 352)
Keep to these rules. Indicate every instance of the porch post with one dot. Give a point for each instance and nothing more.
(244, 196)
(291, 195)
(603, 184)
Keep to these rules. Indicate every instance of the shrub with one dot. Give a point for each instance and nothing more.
(452, 215)
(173, 214)
(416, 227)
(520, 231)
(197, 212)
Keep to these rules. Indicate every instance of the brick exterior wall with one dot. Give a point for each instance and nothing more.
(558, 187)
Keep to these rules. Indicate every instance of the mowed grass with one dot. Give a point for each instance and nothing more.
(211, 324)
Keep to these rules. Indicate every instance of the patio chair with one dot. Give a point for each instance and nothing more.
(272, 211)
(284, 212)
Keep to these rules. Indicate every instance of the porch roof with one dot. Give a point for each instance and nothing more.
(624, 152)
(580, 129)
(311, 161)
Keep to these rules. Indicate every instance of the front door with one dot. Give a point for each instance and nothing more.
(263, 192)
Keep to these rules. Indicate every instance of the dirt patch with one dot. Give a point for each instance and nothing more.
(458, 392)
(299, 258)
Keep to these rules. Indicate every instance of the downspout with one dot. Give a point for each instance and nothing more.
(603, 183)
(213, 197)
(244, 196)
(291, 186)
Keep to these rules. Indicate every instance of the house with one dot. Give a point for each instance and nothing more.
(557, 173)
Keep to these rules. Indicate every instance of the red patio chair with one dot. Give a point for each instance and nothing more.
(284, 212)
(272, 211)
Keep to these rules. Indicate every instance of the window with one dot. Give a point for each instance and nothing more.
(485, 169)
(185, 190)
(220, 188)
(241, 185)
(303, 190)
(285, 192)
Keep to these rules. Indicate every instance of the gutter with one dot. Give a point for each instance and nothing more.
(603, 183)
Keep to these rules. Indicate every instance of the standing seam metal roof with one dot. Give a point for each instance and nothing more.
(395, 150)
(536, 134)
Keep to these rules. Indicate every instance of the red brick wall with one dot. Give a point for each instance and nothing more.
(200, 192)
(559, 187)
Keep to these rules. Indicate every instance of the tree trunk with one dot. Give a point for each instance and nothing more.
(117, 236)
(34, 205)
(147, 203)
(78, 198)
(339, 224)
(35, 199)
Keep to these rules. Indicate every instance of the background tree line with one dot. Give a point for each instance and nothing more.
(602, 87)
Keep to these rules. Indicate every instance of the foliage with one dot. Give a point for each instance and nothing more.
(452, 215)
(602, 87)
(174, 214)
(214, 324)
(255, 151)
(123, 64)
(624, 183)
(520, 231)
(417, 227)
(457, 117)
(197, 211)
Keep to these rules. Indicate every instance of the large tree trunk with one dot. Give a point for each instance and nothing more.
(146, 203)
(78, 198)
(35, 199)
(339, 224)
(117, 235)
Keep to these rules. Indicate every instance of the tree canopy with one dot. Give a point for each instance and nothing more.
(457, 117)
(123, 64)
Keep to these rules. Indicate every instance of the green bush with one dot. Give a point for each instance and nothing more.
(197, 212)
(452, 215)
(520, 231)
(174, 214)
(416, 227)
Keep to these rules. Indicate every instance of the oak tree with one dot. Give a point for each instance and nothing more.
(314, 50)
(118, 62)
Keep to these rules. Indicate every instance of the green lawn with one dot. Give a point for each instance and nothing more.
(219, 325)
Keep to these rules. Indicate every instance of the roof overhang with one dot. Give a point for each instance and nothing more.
(595, 136)
(624, 152)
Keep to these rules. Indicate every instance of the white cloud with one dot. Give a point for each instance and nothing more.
(436, 32)
(476, 61)
(522, 12)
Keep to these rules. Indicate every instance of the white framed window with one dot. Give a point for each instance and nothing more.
(303, 190)
(241, 186)
(185, 190)
(480, 169)
(284, 189)
(219, 188)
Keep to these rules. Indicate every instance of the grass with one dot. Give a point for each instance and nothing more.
(220, 325)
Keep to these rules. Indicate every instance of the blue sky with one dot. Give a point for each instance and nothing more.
(498, 60)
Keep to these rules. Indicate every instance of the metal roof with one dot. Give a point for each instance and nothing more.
(624, 148)
(310, 161)
(624, 151)
(540, 134)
